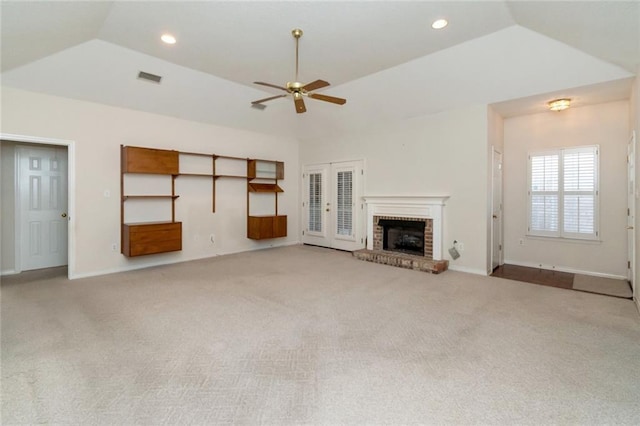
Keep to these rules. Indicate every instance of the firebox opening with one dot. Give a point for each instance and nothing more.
(404, 236)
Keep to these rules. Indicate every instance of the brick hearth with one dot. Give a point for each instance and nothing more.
(419, 263)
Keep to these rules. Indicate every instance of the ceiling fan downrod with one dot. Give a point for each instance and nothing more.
(297, 33)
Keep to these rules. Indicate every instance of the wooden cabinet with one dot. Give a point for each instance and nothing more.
(264, 169)
(149, 160)
(151, 238)
(264, 227)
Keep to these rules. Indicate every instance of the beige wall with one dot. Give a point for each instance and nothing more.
(98, 131)
(440, 154)
(606, 125)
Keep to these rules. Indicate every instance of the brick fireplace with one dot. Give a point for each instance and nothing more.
(418, 227)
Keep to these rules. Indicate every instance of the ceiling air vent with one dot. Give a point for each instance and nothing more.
(149, 77)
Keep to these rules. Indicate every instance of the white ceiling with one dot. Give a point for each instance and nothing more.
(382, 56)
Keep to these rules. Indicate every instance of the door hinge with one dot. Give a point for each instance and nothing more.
(628, 264)
(499, 246)
(628, 212)
(303, 232)
(361, 172)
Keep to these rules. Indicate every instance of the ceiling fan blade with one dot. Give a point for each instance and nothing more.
(326, 98)
(314, 85)
(267, 99)
(271, 85)
(299, 103)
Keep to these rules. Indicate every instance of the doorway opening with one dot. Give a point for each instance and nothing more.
(37, 204)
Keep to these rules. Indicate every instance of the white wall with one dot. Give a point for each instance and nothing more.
(98, 132)
(603, 124)
(440, 154)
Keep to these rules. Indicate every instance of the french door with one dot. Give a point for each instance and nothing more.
(332, 205)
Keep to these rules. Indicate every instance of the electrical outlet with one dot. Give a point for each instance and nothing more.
(114, 247)
(521, 241)
(460, 246)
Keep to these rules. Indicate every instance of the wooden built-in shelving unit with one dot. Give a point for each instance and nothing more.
(144, 238)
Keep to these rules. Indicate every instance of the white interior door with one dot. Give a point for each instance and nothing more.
(631, 212)
(496, 221)
(42, 207)
(333, 206)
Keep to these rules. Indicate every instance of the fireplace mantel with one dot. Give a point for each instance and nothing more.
(426, 207)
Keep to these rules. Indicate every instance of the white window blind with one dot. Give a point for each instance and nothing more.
(345, 203)
(563, 193)
(315, 202)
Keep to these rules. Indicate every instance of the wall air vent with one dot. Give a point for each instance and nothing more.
(149, 77)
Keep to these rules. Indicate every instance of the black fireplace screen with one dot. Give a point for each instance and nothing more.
(404, 236)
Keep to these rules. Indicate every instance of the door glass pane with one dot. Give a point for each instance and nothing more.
(315, 202)
(345, 203)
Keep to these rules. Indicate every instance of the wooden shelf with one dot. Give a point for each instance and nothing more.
(230, 176)
(126, 197)
(264, 187)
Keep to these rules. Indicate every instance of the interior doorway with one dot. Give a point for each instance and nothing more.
(38, 202)
(631, 211)
(333, 209)
(496, 211)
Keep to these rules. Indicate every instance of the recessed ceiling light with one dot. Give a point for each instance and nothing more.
(559, 104)
(168, 38)
(439, 24)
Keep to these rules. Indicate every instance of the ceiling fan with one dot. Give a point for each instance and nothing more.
(297, 89)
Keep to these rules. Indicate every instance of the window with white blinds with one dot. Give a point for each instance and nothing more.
(315, 202)
(345, 203)
(563, 193)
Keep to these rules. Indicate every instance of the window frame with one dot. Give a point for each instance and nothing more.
(561, 233)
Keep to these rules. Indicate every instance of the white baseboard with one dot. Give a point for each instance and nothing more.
(564, 269)
(133, 267)
(475, 271)
(8, 272)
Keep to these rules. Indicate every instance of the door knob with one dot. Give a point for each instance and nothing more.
(327, 209)
(495, 216)
(629, 227)
(63, 215)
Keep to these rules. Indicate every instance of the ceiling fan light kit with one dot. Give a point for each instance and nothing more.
(559, 104)
(298, 90)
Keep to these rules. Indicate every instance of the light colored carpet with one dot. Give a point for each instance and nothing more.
(609, 286)
(309, 335)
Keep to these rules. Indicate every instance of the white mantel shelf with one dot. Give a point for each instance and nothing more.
(418, 206)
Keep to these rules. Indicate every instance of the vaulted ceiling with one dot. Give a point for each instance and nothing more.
(384, 57)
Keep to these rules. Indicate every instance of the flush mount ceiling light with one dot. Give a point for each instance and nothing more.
(168, 38)
(439, 24)
(559, 104)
